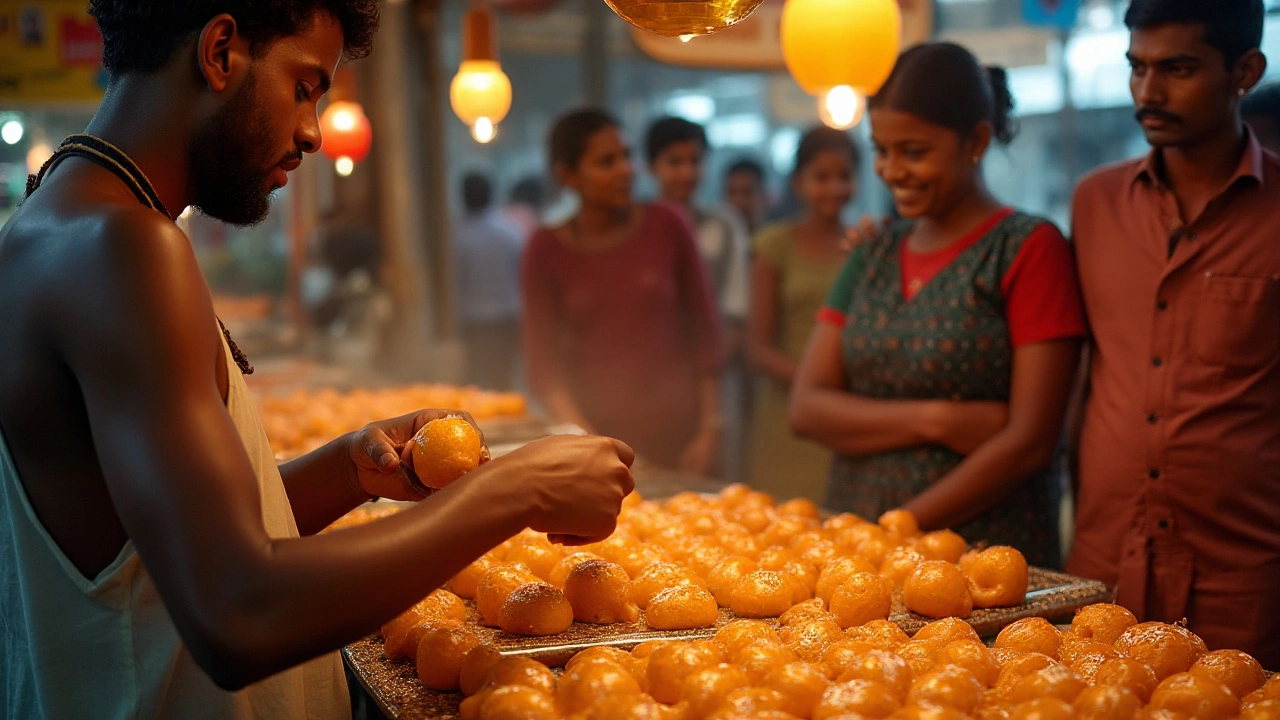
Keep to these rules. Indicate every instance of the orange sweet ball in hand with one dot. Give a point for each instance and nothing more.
(1196, 696)
(600, 593)
(971, 655)
(997, 577)
(862, 598)
(1031, 635)
(948, 686)
(671, 665)
(763, 593)
(658, 577)
(589, 683)
(1167, 650)
(706, 689)
(1102, 622)
(683, 607)
(860, 698)
(899, 564)
(900, 522)
(1054, 681)
(445, 450)
(496, 585)
(536, 609)
(942, 545)
(441, 654)
(1233, 668)
(937, 589)
(837, 571)
(1106, 702)
(1130, 674)
(882, 667)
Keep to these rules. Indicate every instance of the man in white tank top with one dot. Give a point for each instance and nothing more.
(154, 561)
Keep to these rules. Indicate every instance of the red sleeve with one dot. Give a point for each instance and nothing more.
(539, 325)
(695, 290)
(1042, 291)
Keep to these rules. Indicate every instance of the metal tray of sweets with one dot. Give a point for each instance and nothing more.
(395, 688)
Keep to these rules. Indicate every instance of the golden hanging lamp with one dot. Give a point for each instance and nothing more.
(480, 93)
(832, 43)
(685, 19)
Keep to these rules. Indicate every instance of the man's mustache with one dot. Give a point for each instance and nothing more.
(1156, 113)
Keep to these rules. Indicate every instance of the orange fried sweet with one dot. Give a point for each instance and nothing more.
(683, 607)
(1233, 668)
(900, 522)
(1130, 674)
(1031, 635)
(439, 609)
(929, 712)
(445, 450)
(598, 652)
(971, 655)
(521, 671)
(837, 571)
(496, 585)
(1047, 708)
(899, 564)
(671, 665)
(937, 589)
(997, 577)
(705, 559)
(882, 667)
(805, 612)
(763, 593)
(811, 639)
(658, 577)
(441, 654)
(1102, 622)
(763, 657)
(746, 701)
(706, 689)
(1054, 681)
(726, 576)
(565, 565)
(884, 634)
(920, 654)
(536, 609)
(841, 655)
(630, 707)
(589, 683)
(862, 698)
(1260, 710)
(1106, 702)
(948, 686)
(947, 630)
(1086, 656)
(639, 560)
(1196, 696)
(537, 553)
(474, 673)
(514, 702)
(741, 633)
(1269, 691)
(799, 507)
(942, 545)
(801, 685)
(1021, 666)
(464, 584)
(862, 597)
(600, 593)
(1163, 648)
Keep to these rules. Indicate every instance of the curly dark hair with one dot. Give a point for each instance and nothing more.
(143, 35)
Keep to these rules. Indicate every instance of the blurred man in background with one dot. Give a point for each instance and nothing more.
(745, 192)
(487, 249)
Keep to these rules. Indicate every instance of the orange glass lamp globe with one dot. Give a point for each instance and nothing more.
(684, 19)
(830, 43)
(480, 93)
(345, 131)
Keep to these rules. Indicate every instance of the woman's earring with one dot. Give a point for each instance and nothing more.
(1240, 92)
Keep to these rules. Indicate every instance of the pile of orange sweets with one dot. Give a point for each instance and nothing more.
(303, 420)
(1106, 667)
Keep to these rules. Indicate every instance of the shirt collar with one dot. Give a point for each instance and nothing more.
(1251, 164)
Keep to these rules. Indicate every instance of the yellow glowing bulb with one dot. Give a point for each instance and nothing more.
(484, 130)
(841, 107)
(480, 90)
(344, 120)
(687, 38)
(344, 166)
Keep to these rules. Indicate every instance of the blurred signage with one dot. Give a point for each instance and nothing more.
(755, 44)
(50, 51)
(1008, 47)
(1051, 13)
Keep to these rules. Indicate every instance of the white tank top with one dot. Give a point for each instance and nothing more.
(105, 648)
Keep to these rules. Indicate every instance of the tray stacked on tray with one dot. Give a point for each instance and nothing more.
(394, 684)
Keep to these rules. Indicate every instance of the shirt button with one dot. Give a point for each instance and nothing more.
(1164, 523)
(1156, 362)
(1153, 474)
(1162, 305)
(1153, 419)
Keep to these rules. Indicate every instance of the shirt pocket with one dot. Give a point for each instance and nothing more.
(1238, 321)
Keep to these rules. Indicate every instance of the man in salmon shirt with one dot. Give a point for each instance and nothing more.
(1179, 260)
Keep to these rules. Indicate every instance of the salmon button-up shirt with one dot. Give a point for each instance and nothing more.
(1179, 496)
